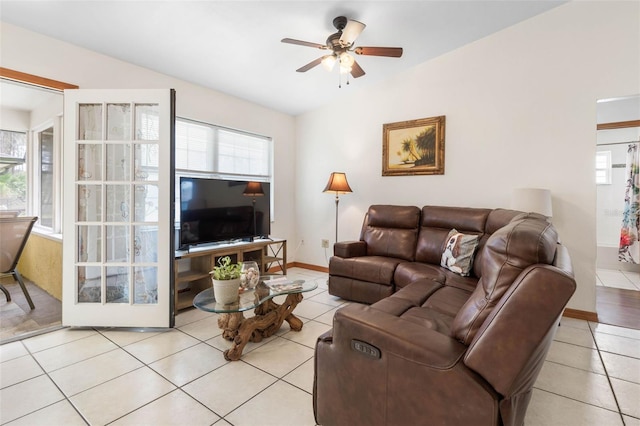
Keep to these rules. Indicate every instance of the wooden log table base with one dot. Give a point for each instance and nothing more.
(268, 318)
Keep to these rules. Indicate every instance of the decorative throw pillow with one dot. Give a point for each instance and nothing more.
(458, 252)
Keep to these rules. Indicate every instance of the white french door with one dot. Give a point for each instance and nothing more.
(118, 208)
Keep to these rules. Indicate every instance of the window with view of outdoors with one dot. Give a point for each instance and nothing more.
(45, 151)
(603, 167)
(13, 171)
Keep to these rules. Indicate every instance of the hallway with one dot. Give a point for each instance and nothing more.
(618, 298)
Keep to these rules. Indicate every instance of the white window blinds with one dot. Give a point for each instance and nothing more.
(205, 149)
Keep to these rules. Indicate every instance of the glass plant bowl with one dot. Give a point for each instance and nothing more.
(249, 275)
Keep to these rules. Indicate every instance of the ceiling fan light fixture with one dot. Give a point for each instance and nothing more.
(351, 31)
(328, 62)
(340, 45)
(346, 60)
(346, 63)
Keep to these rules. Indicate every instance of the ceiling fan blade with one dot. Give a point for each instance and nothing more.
(351, 31)
(303, 43)
(310, 65)
(356, 70)
(393, 52)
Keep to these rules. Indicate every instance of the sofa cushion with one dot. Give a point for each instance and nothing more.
(408, 272)
(418, 291)
(463, 218)
(391, 231)
(528, 239)
(436, 223)
(361, 291)
(458, 252)
(448, 300)
(430, 318)
(376, 269)
(408, 304)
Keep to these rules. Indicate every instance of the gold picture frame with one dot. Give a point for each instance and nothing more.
(414, 147)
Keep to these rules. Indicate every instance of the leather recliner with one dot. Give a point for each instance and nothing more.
(439, 351)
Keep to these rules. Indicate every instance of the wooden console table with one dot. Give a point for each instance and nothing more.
(192, 267)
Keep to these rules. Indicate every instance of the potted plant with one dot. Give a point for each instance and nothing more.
(226, 280)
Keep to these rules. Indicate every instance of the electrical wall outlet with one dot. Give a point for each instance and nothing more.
(325, 243)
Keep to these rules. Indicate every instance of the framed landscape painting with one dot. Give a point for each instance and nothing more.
(414, 147)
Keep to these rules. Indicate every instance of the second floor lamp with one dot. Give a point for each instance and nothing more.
(253, 190)
(338, 184)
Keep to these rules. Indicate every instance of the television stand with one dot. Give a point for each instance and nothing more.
(191, 268)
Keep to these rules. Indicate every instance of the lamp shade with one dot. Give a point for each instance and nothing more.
(532, 200)
(338, 184)
(253, 189)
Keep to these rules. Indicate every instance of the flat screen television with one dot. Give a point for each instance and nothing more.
(218, 210)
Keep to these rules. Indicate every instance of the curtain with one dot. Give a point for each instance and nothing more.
(629, 250)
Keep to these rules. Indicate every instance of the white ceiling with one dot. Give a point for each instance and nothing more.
(234, 46)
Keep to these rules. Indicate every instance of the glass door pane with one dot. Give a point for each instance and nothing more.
(123, 257)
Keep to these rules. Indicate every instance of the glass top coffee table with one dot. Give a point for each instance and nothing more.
(268, 318)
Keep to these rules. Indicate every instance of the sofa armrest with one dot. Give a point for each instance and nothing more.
(350, 249)
(510, 347)
(392, 335)
(376, 368)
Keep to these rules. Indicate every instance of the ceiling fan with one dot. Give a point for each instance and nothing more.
(340, 44)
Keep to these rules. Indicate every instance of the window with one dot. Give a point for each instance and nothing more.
(603, 168)
(43, 163)
(29, 174)
(206, 150)
(46, 177)
(13, 171)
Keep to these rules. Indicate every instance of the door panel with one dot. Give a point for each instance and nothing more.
(118, 231)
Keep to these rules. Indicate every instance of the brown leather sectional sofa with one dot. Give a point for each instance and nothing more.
(436, 346)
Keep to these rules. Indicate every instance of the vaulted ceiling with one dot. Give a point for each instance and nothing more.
(234, 46)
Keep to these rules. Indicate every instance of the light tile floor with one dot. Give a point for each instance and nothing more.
(618, 279)
(179, 377)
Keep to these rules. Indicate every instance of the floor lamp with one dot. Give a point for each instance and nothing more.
(535, 200)
(338, 184)
(254, 189)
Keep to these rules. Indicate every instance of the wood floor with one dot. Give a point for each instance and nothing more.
(616, 306)
(18, 320)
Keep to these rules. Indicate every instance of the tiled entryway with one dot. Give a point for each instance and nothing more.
(614, 278)
(179, 376)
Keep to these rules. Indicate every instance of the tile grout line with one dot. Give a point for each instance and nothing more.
(180, 387)
(606, 372)
(64, 395)
(30, 353)
(577, 400)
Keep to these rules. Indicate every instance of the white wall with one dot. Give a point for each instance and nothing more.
(33, 53)
(520, 107)
(14, 120)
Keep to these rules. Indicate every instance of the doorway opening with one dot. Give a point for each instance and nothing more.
(618, 282)
(29, 105)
